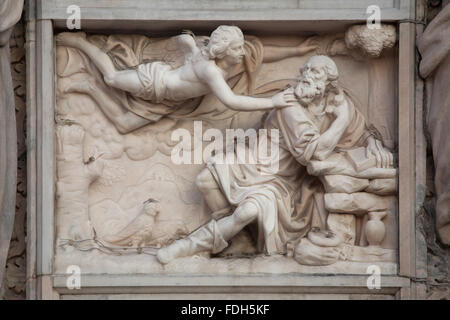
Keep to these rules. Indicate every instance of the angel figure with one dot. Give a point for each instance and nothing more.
(206, 69)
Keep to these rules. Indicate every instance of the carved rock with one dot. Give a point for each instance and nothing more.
(357, 203)
(343, 184)
(382, 187)
(338, 164)
(370, 42)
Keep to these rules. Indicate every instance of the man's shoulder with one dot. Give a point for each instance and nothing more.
(296, 112)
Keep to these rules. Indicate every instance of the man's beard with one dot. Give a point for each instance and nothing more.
(308, 90)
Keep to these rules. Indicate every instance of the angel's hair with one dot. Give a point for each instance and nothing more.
(220, 40)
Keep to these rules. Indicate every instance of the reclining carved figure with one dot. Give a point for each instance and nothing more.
(166, 87)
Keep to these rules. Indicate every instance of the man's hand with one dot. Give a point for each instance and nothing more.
(284, 99)
(340, 109)
(384, 157)
(308, 45)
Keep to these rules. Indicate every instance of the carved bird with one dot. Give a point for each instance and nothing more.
(139, 230)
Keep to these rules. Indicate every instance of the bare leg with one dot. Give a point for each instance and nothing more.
(127, 80)
(323, 213)
(124, 120)
(211, 192)
(242, 216)
(78, 41)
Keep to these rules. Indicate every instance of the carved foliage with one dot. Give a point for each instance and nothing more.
(15, 274)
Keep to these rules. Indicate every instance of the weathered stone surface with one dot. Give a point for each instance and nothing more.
(435, 66)
(370, 42)
(10, 13)
(15, 272)
(444, 233)
(345, 184)
(17, 54)
(344, 225)
(357, 203)
(373, 254)
(438, 256)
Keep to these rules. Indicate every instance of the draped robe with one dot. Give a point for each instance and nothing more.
(287, 199)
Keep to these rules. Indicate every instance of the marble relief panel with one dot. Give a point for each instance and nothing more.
(126, 103)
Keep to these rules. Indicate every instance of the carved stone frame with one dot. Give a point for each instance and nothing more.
(46, 15)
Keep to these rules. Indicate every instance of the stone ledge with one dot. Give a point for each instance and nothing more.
(221, 10)
(204, 284)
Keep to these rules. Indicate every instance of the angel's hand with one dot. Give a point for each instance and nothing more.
(284, 99)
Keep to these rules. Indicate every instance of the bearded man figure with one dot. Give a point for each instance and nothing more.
(287, 203)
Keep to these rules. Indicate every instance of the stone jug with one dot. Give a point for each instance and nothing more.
(375, 228)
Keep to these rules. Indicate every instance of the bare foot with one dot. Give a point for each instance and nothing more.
(67, 85)
(70, 39)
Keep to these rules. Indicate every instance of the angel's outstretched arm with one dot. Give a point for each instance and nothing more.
(220, 88)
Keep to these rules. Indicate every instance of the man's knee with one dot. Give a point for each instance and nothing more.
(205, 180)
(110, 79)
(246, 212)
